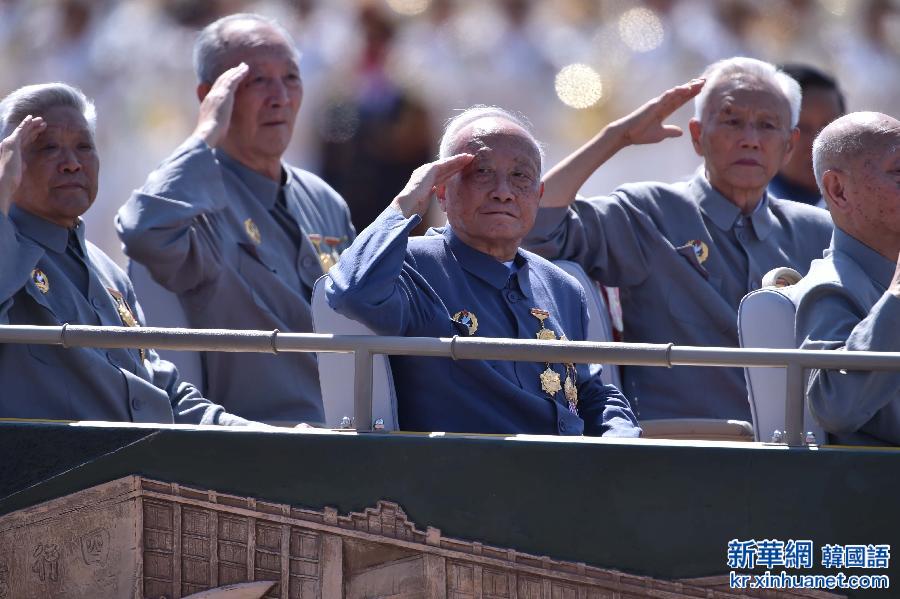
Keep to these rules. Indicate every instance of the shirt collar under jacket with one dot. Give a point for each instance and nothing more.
(261, 187)
(877, 267)
(487, 268)
(50, 235)
(724, 213)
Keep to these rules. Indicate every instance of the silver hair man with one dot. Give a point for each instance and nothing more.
(213, 44)
(740, 66)
(37, 99)
(468, 116)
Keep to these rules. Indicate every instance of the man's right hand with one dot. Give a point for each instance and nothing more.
(216, 107)
(646, 125)
(416, 196)
(11, 165)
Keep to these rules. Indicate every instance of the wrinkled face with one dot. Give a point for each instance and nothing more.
(745, 135)
(60, 168)
(873, 186)
(820, 107)
(268, 99)
(493, 202)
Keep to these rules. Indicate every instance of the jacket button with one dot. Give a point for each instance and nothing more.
(562, 426)
(307, 262)
(135, 403)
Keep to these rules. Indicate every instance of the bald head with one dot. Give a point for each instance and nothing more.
(855, 137)
(480, 120)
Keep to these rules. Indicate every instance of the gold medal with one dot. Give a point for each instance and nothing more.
(40, 280)
(333, 242)
(326, 259)
(550, 382)
(544, 334)
(467, 318)
(252, 231)
(570, 387)
(701, 250)
(125, 313)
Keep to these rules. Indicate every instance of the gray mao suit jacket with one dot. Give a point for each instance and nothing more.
(49, 276)
(843, 304)
(683, 256)
(209, 229)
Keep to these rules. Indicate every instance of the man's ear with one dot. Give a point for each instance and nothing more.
(202, 90)
(792, 140)
(835, 191)
(440, 191)
(696, 128)
(541, 192)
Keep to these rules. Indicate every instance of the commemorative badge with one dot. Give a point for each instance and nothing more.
(125, 313)
(701, 250)
(326, 259)
(544, 334)
(40, 280)
(550, 382)
(252, 231)
(570, 388)
(467, 318)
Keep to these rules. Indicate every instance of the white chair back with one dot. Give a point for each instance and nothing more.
(162, 308)
(766, 319)
(600, 325)
(336, 370)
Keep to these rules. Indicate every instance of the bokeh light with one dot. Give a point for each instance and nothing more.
(579, 86)
(408, 7)
(641, 30)
(836, 7)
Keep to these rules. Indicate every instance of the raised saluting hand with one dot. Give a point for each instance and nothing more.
(11, 163)
(416, 196)
(216, 107)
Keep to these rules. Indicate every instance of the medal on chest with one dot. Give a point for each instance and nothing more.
(326, 259)
(252, 231)
(551, 382)
(468, 319)
(40, 280)
(125, 313)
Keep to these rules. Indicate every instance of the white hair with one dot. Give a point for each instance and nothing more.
(470, 115)
(212, 45)
(756, 69)
(848, 137)
(38, 99)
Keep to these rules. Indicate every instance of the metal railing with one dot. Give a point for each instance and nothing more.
(365, 347)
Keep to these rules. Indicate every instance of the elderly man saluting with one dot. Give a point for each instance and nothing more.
(685, 254)
(472, 278)
(50, 275)
(238, 235)
(850, 300)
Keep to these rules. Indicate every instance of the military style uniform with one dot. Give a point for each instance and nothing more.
(843, 304)
(683, 256)
(437, 286)
(241, 252)
(51, 276)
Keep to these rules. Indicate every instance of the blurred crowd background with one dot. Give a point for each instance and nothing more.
(381, 76)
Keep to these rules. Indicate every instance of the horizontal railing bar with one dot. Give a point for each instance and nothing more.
(641, 354)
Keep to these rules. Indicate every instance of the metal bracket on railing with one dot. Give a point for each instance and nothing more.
(793, 407)
(362, 389)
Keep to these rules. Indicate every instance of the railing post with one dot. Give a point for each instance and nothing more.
(793, 407)
(362, 390)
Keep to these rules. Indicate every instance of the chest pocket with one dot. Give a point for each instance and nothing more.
(694, 297)
(255, 273)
